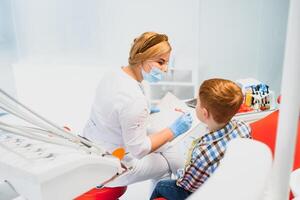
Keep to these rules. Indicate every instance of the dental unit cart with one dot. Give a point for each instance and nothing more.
(45, 161)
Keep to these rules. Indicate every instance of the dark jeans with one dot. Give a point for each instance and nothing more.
(169, 190)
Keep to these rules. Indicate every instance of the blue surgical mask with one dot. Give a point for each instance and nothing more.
(153, 76)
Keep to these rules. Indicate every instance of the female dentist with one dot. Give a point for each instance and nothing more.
(120, 112)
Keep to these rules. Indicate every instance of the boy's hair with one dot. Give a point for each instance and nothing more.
(222, 98)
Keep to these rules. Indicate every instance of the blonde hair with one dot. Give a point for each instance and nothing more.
(147, 46)
(222, 98)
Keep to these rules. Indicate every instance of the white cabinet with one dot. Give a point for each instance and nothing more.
(182, 82)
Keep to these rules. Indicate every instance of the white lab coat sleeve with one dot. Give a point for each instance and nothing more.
(133, 120)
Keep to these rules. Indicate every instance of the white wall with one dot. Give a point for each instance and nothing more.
(63, 94)
(240, 39)
(124, 20)
(228, 38)
(101, 31)
(7, 47)
(7, 79)
(7, 37)
(273, 23)
(231, 39)
(58, 31)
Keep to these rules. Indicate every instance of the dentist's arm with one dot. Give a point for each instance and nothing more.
(133, 121)
(160, 138)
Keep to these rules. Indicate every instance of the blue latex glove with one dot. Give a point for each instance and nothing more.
(154, 109)
(181, 124)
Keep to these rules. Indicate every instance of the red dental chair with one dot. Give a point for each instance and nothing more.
(265, 130)
(106, 193)
(103, 194)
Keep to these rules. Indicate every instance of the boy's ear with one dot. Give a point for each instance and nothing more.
(205, 113)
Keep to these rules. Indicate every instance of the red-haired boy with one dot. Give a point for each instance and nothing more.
(218, 101)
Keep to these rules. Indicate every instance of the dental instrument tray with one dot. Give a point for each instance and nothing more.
(41, 160)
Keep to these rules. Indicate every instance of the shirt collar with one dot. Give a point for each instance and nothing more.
(211, 136)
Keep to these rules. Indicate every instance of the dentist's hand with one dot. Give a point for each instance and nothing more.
(154, 109)
(181, 124)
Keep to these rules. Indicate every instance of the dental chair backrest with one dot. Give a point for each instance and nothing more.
(242, 174)
(295, 183)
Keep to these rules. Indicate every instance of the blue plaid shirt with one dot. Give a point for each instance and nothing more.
(207, 152)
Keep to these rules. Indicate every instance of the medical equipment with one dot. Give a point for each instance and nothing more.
(41, 160)
(192, 103)
(257, 95)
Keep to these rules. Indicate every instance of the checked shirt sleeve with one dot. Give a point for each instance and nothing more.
(204, 163)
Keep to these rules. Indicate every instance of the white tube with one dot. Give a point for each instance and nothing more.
(289, 108)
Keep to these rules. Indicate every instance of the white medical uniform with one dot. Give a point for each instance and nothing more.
(118, 118)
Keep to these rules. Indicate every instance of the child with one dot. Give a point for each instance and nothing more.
(218, 101)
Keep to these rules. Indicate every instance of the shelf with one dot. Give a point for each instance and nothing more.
(253, 116)
(173, 83)
(255, 112)
(178, 75)
(179, 69)
(181, 91)
(182, 82)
